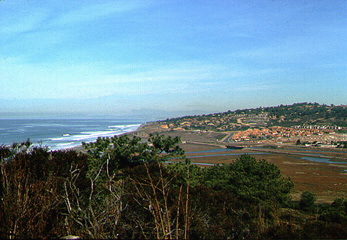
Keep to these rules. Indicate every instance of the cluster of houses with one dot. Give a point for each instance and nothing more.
(318, 127)
(278, 132)
(257, 128)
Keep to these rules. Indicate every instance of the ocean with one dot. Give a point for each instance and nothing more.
(63, 133)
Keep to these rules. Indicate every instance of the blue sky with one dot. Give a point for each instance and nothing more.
(125, 57)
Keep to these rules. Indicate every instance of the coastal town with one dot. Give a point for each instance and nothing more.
(324, 137)
(305, 125)
(308, 136)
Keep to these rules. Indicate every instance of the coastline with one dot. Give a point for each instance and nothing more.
(58, 134)
(80, 148)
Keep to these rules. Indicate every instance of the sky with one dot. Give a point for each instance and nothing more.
(157, 57)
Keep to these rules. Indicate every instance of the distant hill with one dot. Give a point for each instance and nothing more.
(298, 114)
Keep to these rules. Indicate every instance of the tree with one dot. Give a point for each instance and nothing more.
(29, 197)
(121, 152)
(251, 180)
(112, 189)
(307, 200)
(255, 189)
(157, 200)
(336, 213)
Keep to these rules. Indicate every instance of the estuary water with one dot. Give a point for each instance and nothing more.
(63, 133)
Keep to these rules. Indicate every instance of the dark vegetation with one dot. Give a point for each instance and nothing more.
(122, 187)
(298, 114)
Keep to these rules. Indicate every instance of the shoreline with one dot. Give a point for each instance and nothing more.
(130, 133)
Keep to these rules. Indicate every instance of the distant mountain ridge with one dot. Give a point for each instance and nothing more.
(297, 114)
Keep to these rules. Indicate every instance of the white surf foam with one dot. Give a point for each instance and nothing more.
(74, 140)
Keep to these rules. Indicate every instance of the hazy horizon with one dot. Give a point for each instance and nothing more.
(169, 58)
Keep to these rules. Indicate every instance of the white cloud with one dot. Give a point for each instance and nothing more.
(82, 81)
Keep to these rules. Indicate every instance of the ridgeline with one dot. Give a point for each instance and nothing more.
(298, 114)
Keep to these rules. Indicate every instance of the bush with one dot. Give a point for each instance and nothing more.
(307, 201)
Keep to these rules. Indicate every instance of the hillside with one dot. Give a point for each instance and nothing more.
(298, 114)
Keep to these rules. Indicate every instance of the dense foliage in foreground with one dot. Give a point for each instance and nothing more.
(122, 188)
